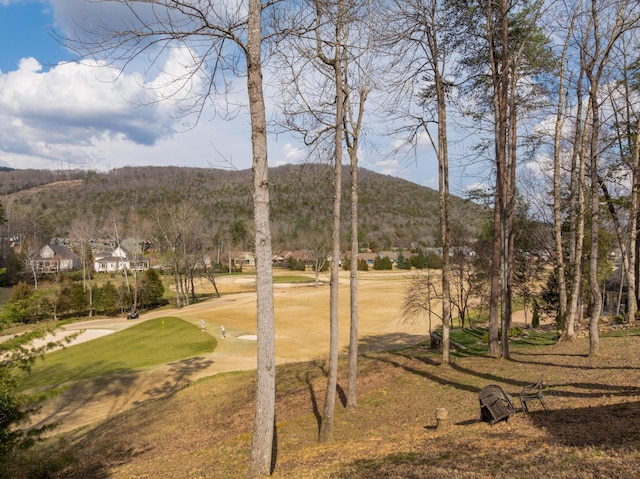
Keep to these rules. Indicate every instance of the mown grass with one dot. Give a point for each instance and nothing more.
(149, 343)
(474, 340)
(292, 278)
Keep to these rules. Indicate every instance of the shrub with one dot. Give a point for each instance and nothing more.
(433, 261)
(515, 332)
(618, 320)
(402, 262)
(382, 264)
(152, 288)
(535, 321)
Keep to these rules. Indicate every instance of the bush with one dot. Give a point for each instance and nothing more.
(382, 264)
(618, 320)
(515, 332)
(362, 265)
(296, 264)
(402, 262)
(535, 321)
(152, 288)
(21, 308)
(433, 261)
(106, 300)
(419, 261)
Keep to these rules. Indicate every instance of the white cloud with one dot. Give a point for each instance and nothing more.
(479, 187)
(431, 182)
(292, 154)
(77, 114)
(388, 166)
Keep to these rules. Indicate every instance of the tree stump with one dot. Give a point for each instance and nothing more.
(442, 419)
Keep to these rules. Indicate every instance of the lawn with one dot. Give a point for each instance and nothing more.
(149, 343)
(590, 431)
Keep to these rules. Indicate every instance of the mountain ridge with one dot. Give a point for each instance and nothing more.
(393, 212)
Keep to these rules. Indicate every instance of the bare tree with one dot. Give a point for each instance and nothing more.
(562, 106)
(422, 40)
(31, 225)
(326, 108)
(83, 231)
(222, 38)
(333, 58)
(607, 25)
(114, 233)
(420, 295)
(358, 82)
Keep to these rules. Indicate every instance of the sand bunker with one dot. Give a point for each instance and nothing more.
(249, 337)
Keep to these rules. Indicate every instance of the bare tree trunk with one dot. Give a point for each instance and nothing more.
(596, 298)
(353, 128)
(494, 279)
(261, 459)
(352, 395)
(577, 198)
(177, 282)
(633, 227)
(499, 64)
(326, 428)
(327, 424)
(445, 222)
(561, 115)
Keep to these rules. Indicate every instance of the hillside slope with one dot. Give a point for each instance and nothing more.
(204, 430)
(393, 212)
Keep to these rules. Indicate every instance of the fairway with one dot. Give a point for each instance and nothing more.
(146, 344)
(106, 376)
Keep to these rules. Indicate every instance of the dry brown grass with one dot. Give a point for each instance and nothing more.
(178, 421)
(592, 428)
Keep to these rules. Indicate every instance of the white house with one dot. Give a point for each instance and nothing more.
(54, 258)
(118, 260)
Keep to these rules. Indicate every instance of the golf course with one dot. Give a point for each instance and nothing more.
(115, 364)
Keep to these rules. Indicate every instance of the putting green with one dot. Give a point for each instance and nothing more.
(153, 342)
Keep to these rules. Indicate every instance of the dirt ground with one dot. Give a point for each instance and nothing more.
(302, 334)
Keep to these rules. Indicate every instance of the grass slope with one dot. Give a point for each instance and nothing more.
(149, 343)
(204, 430)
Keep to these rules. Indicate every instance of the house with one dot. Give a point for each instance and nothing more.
(118, 259)
(54, 258)
(393, 255)
(284, 259)
(242, 259)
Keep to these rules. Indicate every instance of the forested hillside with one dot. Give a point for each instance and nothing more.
(393, 212)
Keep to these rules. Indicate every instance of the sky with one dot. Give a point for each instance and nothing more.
(57, 112)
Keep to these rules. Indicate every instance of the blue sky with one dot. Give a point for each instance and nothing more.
(26, 25)
(58, 113)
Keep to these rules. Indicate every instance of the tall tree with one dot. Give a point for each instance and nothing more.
(221, 38)
(326, 90)
(562, 106)
(505, 53)
(331, 53)
(357, 82)
(421, 38)
(606, 25)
